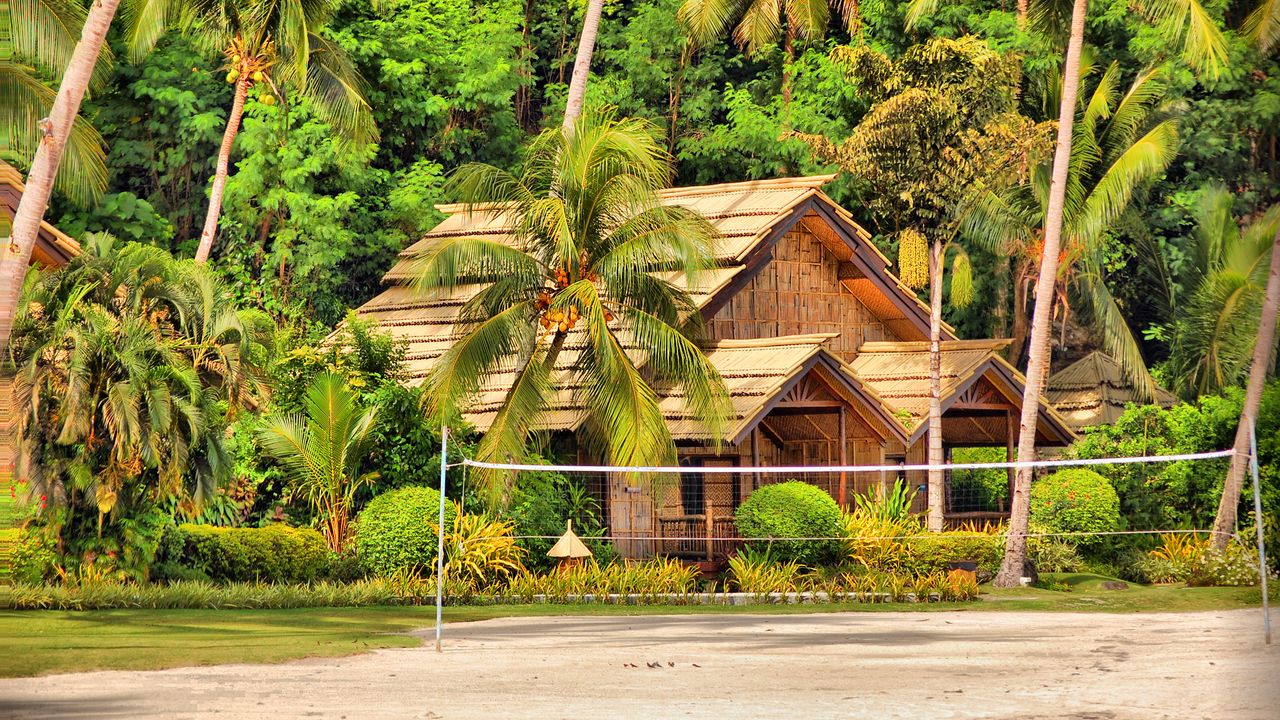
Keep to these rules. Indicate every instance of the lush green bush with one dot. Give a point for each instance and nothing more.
(933, 552)
(275, 554)
(396, 531)
(791, 509)
(1074, 500)
(1054, 555)
(31, 560)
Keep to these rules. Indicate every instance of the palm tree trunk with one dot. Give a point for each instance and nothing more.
(1022, 13)
(672, 130)
(220, 174)
(937, 499)
(1226, 520)
(1015, 554)
(44, 167)
(582, 63)
(788, 63)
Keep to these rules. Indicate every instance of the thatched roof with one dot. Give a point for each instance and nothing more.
(53, 247)
(1094, 391)
(751, 217)
(898, 374)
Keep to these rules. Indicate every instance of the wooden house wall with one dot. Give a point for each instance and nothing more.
(799, 292)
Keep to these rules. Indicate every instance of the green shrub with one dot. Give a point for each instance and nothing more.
(1235, 566)
(1073, 501)
(756, 572)
(930, 554)
(791, 509)
(276, 553)
(1054, 555)
(397, 531)
(31, 560)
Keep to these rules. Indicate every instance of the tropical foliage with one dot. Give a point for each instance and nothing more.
(128, 366)
(322, 451)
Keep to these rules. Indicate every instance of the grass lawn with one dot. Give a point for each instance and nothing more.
(44, 641)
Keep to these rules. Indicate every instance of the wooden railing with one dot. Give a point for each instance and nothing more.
(694, 536)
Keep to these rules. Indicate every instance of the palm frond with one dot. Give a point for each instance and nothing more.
(338, 91)
(1189, 24)
(1139, 163)
(1262, 26)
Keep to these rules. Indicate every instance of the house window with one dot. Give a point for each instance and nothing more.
(720, 490)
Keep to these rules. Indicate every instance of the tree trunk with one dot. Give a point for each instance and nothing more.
(1022, 285)
(1015, 554)
(788, 62)
(1022, 13)
(582, 63)
(672, 130)
(1000, 314)
(220, 174)
(44, 167)
(1225, 522)
(524, 93)
(937, 491)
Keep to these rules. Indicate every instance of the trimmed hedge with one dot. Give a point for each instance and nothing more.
(397, 530)
(276, 553)
(791, 509)
(1075, 500)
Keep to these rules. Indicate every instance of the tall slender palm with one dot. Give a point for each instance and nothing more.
(56, 129)
(1184, 22)
(1120, 145)
(760, 24)
(40, 37)
(322, 451)
(1011, 569)
(1259, 364)
(271, 48)
(590, 236)
(1262, 27)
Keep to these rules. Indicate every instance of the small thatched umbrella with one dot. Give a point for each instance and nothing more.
(569, 550)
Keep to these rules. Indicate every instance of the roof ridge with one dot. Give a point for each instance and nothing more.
(803, 182)
(889, 346)
(780, 341)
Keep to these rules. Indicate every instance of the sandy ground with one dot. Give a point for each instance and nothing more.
(730, 667)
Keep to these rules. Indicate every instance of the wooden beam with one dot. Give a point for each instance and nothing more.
(844, 460)
(755, 456)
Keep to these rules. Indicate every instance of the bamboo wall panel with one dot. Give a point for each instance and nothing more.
(799, 292)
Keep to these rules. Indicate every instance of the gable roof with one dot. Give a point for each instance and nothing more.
(53, 247)
(1094, 391)
(898, 373)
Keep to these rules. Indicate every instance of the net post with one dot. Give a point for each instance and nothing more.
(444, 466)
(1258, 521)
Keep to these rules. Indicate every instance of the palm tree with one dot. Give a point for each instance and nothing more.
(1119, 146)
(1215, 326)
(760, 23)
(276, 51)
(1225, 521)
(117, 403)
(323, 450)
(1182, 21)
(589, 236)
(56, 131)
(1015, 556)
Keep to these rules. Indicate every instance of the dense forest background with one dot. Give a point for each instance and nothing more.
(310, 224)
